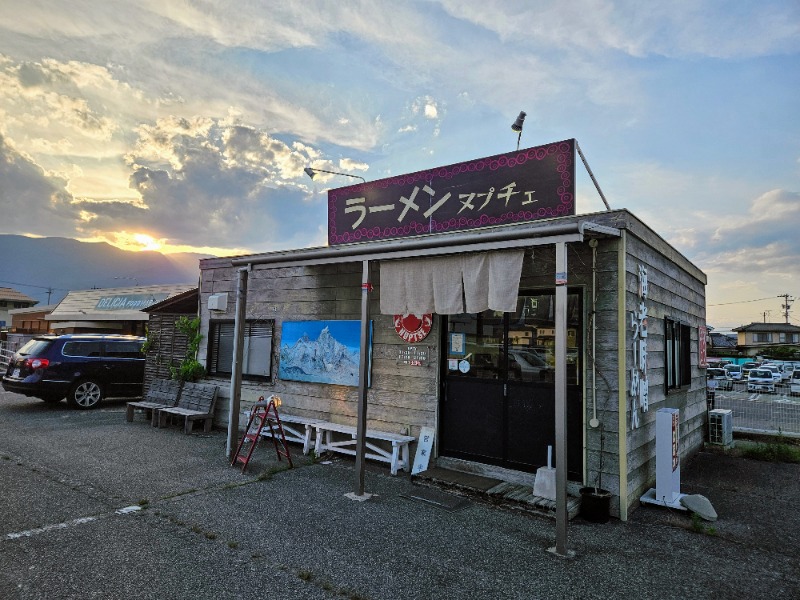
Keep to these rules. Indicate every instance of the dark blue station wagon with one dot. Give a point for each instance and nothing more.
(84, 368)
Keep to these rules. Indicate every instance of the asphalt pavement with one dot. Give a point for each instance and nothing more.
(95, 507)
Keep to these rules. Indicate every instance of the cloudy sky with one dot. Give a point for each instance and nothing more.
(186, 125)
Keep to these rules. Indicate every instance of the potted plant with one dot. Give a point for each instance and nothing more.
(595, 501)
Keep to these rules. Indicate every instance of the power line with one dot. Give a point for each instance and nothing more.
(41, 287)
(742, 301)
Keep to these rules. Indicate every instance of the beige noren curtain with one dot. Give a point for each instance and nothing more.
(451, 285)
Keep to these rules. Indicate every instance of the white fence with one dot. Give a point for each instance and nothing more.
(775, 414)
(5, 358)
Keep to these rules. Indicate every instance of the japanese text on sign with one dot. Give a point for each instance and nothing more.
(639, 385)
(526, 185)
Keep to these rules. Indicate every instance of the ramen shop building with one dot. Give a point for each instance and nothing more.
(480, 308)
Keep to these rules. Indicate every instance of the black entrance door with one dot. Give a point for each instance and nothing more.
(498, 403)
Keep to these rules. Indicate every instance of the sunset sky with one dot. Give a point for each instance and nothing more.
(186, 125)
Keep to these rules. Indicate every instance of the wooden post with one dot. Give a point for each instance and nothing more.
(561, 399)
(236, 367)
(363, 375)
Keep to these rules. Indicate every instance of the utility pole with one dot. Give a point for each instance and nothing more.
(787, 304)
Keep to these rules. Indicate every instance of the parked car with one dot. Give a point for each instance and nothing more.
(774, 369)
(794, 383)
(734, 372)
(719, 378)
(749, 366)
(787, 370)
(84, 368)
(760, 380)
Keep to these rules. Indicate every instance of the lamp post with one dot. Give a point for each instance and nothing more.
(517, 126)
(311, 172)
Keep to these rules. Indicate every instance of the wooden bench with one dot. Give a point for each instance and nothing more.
(161, 393)
(397, 457)
(295, 428)
(196, 403)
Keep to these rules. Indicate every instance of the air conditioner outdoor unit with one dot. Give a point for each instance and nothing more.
(720, 427)
(218, 302)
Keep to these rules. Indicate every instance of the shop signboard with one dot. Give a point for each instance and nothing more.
(520, 186)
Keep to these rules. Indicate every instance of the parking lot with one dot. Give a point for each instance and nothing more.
(769, 412)
(94, 507)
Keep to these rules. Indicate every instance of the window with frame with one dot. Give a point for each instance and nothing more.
(257, 349)
(677, 354)
(762, 337)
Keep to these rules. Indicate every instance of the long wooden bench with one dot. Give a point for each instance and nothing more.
(161, 393)
(196, 403)
(296, 429)
(397, 457)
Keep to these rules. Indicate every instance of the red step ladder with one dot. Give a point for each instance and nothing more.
(263, 414)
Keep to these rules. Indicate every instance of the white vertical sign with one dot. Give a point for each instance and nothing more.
(424, 448)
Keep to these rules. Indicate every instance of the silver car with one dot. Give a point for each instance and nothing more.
(734, 372)
(760, 380)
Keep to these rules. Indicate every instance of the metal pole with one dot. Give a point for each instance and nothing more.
(588, 170)
(363, 374)
(561, 399)
(236, 367)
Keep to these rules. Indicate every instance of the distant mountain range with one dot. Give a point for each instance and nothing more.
(42, 267)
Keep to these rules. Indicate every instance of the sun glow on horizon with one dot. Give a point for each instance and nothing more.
(143, 242)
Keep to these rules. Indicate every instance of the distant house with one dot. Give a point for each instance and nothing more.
(31, 320)
(9, 300)
(753, 338)
(721, 343)
(117, 310)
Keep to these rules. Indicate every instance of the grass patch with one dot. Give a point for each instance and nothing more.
(269, 473)
(210, 535)
(773, 452)
(143, 502)
(304, 574)
(179, 494)
(233, 545)
(699, 526)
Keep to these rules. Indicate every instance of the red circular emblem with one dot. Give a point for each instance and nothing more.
(413, 328)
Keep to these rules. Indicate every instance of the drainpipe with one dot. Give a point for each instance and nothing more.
(594, 422)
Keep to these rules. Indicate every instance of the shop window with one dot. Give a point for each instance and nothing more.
(678, 354)
(518, 346)
(257, 350)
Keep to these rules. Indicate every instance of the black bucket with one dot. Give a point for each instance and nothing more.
(595, 504)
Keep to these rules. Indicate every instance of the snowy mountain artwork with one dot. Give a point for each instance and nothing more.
(320, 351)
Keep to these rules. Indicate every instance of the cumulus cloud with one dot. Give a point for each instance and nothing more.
(33, 202)
(765, 241)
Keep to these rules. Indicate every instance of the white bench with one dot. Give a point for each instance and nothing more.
(295, 429)
(397, 457)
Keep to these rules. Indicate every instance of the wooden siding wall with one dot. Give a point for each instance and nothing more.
(677, 291)
(405, 398)
(400, 399)
(169, 347)
(601, 460)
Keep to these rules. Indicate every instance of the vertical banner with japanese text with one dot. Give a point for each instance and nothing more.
(525, 185)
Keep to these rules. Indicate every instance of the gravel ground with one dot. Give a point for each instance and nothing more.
(205, 530)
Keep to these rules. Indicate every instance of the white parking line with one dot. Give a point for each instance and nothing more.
(46, 528)
(81, 521)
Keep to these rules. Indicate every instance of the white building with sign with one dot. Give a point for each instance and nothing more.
(110, 310)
